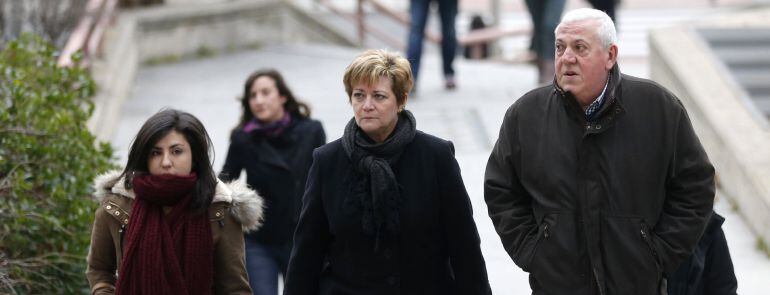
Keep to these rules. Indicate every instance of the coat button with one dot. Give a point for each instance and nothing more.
(125, 221)
(598, 126)
(108, 207)
(218, 214)
(117, 213)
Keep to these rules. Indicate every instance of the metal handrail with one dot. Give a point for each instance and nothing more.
(358, 19)
(88, 34)
(469, 39)
(402, 20)
(363, 29)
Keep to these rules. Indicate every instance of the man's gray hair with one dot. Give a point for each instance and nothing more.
(605, 31)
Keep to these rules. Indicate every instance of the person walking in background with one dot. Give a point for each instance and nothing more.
(597, 183)
(165, 223)
(545, 16)
(447, 10)
(608, 6)
(709, 269)
(385, 210)
(273, 142)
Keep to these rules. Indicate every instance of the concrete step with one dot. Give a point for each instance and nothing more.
(753, 78)
(745, 57)
(633, 26)
(743, 37)
(762, 103)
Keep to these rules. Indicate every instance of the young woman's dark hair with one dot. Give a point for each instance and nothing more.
(158, 126)
(295, 107)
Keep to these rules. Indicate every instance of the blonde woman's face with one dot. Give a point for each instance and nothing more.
(170, 155)
(375, 108)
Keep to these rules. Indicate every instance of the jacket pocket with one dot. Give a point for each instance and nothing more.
(645, 233)
(630, 260)
(558, 260)
(542, 232)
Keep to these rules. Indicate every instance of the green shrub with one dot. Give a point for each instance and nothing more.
(48, 159)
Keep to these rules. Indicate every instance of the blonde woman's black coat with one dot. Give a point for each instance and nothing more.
(277, 168)
(436, 252)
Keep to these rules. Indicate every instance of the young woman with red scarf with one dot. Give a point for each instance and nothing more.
(165, 223)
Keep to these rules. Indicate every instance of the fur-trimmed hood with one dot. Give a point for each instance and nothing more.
(245, 204)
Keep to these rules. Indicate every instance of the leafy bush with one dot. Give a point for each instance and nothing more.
(48, 159)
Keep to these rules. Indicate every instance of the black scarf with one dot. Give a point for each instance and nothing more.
(378, 203)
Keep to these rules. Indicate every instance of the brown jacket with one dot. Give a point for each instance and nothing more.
(235, 209)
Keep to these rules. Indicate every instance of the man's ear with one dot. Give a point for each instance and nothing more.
(612, 57)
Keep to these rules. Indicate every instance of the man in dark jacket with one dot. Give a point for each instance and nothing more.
(597, 183)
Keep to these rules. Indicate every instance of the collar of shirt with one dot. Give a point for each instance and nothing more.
(593, 108)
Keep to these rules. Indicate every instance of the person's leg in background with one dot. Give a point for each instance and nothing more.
(551, 17)
(418, 11)
(282, 255)
(709, 268)
(262, 268)
(535, 8)
(448, 12)
(608, 6)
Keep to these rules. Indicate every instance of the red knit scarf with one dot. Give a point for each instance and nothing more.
(166, 253)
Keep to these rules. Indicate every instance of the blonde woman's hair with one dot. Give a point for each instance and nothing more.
(369, 66)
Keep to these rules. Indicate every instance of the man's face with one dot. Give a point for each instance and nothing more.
(582, 61)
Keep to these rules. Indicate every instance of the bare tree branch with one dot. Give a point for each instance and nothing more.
(16, 17)
(51, 19)
(2, 21)
(4, 182)
(21, 130)
(5, 279)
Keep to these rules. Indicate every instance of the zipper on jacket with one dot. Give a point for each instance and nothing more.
(544, 235)
(646, 239)
(598, 285)
(122, 232)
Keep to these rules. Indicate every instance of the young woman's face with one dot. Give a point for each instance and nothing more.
(170, 155)
(265, 102)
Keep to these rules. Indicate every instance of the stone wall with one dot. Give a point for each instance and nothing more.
(173, 32)
(735, 138)
(53, 20)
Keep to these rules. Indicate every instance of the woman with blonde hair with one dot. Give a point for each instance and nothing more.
(385, 210)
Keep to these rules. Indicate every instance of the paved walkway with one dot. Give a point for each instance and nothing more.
(469, 116)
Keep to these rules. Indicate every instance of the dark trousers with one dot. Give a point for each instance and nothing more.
(709, 269)
(418, 10)
(264, 263)
(546, 15)
(608, 6)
